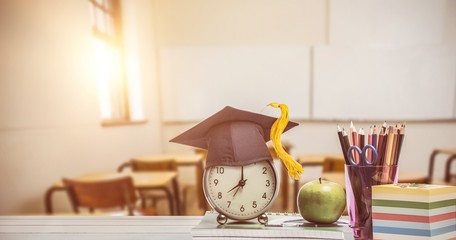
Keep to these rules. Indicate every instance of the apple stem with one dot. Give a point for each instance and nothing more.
(319, 180)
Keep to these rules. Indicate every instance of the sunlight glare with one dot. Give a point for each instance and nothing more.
(101, 68)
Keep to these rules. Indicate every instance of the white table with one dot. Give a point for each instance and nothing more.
(96, 227)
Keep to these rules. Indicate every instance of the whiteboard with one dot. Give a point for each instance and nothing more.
(335, 82)
(384, 82)
(199, 81)
(389, 23)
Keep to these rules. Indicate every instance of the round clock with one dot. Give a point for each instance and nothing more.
(240, 180)
(241, 192)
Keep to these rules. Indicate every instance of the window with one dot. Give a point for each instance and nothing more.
(110, 64)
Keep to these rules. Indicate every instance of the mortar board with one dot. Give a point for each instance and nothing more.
(232, 137)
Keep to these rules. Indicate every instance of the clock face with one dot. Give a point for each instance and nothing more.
(241, 192)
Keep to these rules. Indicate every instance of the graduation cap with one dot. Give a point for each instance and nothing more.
(232, 137)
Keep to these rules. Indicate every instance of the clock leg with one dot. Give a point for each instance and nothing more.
(263, 219)
(221, 219)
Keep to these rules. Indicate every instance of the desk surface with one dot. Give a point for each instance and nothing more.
(195, 160)
(148, 179)
(181, 159)
(314, 159)
(96, 227)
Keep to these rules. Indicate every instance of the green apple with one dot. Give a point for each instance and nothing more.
(321, 201)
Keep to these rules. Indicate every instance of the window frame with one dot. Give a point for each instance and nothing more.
(107, 29)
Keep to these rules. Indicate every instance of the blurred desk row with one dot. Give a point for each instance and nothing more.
(147, 177)
(162, 180)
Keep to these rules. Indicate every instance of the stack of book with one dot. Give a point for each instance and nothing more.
(279, 226)
(414, 211)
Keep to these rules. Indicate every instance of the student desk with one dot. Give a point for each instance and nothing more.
(141, 181)
(194, 160)
(96, 227)
(313, 160)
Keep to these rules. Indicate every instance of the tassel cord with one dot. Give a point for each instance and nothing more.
(294, 169)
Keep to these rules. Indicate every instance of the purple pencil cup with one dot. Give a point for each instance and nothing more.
(358, 185)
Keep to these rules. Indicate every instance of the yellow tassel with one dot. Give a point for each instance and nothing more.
(293, 167)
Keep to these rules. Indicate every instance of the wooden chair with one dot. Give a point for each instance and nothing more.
(203, 152)
(161, 165)
(334, 164)
(104, 194)
(449, 177)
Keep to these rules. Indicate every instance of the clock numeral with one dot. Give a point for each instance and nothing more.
(220, 195)
(242, 209)
(264, 195)
(268, 183)
(254, 204)
(264, 170)
(229, 203)
(215, 182)
(220, 170)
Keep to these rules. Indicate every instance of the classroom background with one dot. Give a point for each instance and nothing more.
(331, 62)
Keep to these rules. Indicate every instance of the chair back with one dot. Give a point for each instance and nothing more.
(161, 165)
(334, 164)
(202, 152)
(119, 192)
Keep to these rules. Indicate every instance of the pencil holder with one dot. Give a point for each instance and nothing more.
(359, 181)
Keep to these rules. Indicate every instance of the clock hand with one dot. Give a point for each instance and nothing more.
(242, 173)
(241, 185)
(241, 182)
(236, 191)
(238, 185)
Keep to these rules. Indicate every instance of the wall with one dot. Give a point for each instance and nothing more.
(305, 52)
(49, 117)
(194, 30)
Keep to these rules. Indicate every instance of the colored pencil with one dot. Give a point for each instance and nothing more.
(380, 148)
(374, 136)
(369, 141)
(342, 143)
(400, 140)
(395, 144)
(346, 142)
(389, 146)
(354, 140)
(361, 138)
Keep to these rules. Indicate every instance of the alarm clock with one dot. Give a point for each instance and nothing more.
(241, 192)
(240, 180)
